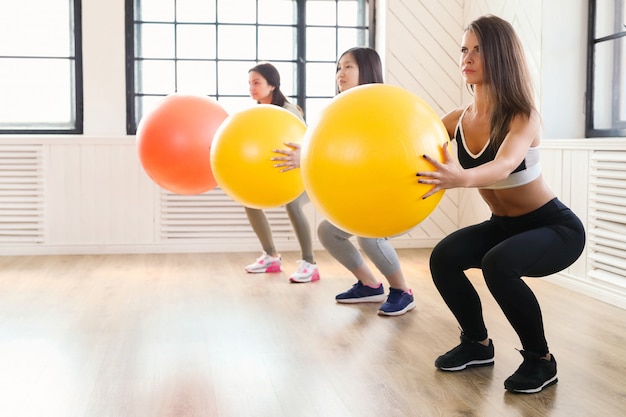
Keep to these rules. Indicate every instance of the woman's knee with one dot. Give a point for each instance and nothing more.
(369, 245)
(448, 258)
(327, 233)
(498, 269)
(440, 256)
(297, 203)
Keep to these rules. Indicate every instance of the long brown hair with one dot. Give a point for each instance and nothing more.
(507, 80)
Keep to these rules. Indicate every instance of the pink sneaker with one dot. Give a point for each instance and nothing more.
(263, 264)
(307, 272)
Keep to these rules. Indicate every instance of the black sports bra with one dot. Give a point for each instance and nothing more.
(526, 172)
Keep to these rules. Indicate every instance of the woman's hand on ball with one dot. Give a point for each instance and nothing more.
(448, 174)
(290, 158)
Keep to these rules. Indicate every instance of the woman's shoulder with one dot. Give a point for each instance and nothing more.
(455, 113)
(451, 119)
(293, 109)
(531, 121)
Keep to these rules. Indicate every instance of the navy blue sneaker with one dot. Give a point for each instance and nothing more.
(360, 293)
(398, 302)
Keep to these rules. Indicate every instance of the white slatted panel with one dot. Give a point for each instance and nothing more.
(21, 194)
(420, 55)
(607, 217)
(421, 50)
(214, 216)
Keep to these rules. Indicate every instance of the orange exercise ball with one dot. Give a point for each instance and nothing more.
(359, 160)
(174, 142)
(241, 152)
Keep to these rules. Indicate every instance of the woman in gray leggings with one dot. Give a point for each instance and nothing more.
(359, 66)
(264, 81)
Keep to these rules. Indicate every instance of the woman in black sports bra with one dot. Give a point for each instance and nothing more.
(530, 232)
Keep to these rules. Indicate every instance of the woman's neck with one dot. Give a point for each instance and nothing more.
(482, 104)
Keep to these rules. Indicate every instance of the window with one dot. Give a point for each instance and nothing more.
(207, 47)
(40, 67)
(606, 69)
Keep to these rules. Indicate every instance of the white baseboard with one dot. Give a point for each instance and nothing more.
(178, 247)
(611, 296)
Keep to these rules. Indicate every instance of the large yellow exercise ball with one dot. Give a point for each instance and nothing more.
(241, 155)
(359, 161)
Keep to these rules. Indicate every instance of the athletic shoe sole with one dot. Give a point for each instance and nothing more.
(471, 364)
(369, 299)
(546, 384)
(269, 269)
(314, 277)
(405, 310)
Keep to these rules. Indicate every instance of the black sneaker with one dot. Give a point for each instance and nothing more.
(533, 375)
(467, 354)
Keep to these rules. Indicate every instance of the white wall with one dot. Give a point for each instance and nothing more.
(104, 68)
(564, 68)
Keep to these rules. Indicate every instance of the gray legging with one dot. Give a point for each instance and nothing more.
(379, 250)
(261, 226)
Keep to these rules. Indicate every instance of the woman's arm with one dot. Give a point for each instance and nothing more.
(449, 174)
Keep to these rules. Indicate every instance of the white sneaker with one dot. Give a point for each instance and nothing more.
(263, 264)
(306, 272)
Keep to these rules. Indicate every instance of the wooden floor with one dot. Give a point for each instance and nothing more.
(193, 335)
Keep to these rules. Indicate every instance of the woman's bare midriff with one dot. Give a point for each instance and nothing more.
(512, 202)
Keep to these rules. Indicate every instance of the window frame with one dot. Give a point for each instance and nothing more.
(618, 127)
(76, 57)
(300, 60)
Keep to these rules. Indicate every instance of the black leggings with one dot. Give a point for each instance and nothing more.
(536, 244)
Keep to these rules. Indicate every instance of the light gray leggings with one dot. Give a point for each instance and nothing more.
(261, 226)
(379, 250)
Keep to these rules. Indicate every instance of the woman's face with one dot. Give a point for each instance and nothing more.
(347, 73)
(260, 90)
(471, 61)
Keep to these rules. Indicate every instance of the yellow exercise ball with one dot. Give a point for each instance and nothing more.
(241, 151)
(359, 161)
